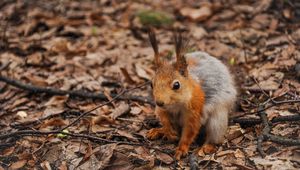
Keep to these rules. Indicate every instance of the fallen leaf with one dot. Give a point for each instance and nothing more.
(135, 110)
(46, 165)
(34, 59)
(127, 135)
(8, 151)
(104, 154)
(87, 155)
(19, 164)
(54, 122)
(63, 166)
(127, 76)
(198, 32)
(165, 158)
(239, 154)
(122, 109)
(197, 15)
(52, 110)
(226, 152)
(102, 120)
(57, 101)
(141, 72)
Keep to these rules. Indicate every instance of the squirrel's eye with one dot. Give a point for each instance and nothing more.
(176, 85)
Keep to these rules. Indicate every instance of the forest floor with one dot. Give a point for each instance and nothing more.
(75, 93)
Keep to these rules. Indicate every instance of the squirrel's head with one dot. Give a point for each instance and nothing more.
(171, 83)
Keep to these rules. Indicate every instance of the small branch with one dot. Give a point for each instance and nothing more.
(275, 103)
(92, 138)
(75, 135)
(244, 47)
(77, 93)
(193, 160)
(247, 122)
(266, 135)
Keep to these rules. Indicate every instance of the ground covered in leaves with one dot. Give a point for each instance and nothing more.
(90, 51)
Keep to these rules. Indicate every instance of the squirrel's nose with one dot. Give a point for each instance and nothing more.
(160, 103)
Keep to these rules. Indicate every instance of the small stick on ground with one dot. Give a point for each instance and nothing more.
(266, 135)
(247, 122)
(77, 93)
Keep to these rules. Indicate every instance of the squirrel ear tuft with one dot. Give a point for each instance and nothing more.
(181, 45)
(154, 44)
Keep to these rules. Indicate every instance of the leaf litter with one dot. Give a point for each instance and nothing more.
(100, 46)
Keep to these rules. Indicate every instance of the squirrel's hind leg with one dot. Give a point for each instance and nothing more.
(216, 127)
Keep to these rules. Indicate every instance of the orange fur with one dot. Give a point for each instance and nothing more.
(192, 120)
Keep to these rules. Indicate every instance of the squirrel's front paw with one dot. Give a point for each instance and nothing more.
(170, 136)
(154, 133)
(181, 151)
(161, 132)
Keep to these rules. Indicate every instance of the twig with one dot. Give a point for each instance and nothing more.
(247, 122)
(18, 134)
(193, 162)
(275, 103)
(263, 91)
(243, 46)
(266, 135)
(77, 93)
(76, 135)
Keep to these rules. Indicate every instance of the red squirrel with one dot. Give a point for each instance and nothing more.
(196, 90)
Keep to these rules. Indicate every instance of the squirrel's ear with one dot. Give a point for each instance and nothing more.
(154, 44)
(181, 44)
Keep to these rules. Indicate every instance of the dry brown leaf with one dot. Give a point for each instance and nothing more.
(107, 95)
(127, 76)
(63, 166)
(34, 59)
(135, 110)
(239, 154)
(104, 154)
(122, 109)
(102, 120)
(100, 129)
(53, 110)
(19, 164)
(141, 72)
(8, 151)
(46, 165)
(54, 122)
(197, 15)
(56, 101)
(127, 135)
(226, 152)
(36, 80)
(165, 158)
(198, 32)
(19, 102)
(31, 163)
(87, 155)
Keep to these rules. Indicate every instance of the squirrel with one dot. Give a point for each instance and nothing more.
(194, 91)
